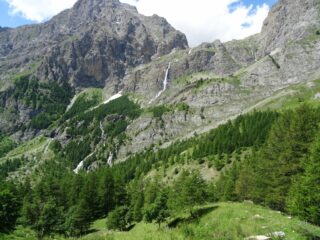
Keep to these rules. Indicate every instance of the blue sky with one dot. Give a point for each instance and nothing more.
(200, 20)
(8, 20)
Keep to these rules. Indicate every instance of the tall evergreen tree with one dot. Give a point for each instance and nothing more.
(304, 199)
(9, 207)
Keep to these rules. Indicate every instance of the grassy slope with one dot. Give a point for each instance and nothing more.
(293, 96)
(227, 221)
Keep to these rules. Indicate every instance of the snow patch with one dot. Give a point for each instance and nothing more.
(79, 167)
(114, 97)
(72, 102)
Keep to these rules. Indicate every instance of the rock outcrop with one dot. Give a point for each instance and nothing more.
(107, 44)
(88, 45)
(288, 20)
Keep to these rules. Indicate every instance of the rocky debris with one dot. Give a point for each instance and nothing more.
(317, 96)
(278, 234)
(258, 217)
(258, 237)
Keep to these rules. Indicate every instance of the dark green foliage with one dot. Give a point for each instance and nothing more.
(226, 185)
(75, 201)
(158, 211)
(121, 106)
(43, 217)
(6, 144)
(75, 151)
(113, 116)
(118, 219)
(188, 191)
(159, 111)
(135, 191)
(284, 162)
(304, 197)
(82, 104)
(115, 128)
(281, 159)
(47, 100)
(9, 206)
(10, 166)
(274, 61)
(183, 107)
(55, 146)
(245, 131)
(278, 158)
(76, 222)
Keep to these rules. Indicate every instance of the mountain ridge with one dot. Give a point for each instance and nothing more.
(214, 81)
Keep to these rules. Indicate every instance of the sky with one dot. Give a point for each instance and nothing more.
(200, 20)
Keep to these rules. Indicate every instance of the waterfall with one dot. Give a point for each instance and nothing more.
(110, 160)
(103, 135)
(165, 84)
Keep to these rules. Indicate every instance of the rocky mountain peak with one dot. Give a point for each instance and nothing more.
(89, 45)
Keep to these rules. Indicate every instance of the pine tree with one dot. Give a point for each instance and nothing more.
(304, 197)
(106, 192)
(158, 211)
(9, 207)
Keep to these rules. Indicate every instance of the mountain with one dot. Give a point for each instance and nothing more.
(108, 113)
(109, 45)
(89, 45)
(222, 80)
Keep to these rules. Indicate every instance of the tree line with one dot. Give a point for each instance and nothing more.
(282, 172)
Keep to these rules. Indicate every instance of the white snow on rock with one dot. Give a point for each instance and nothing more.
(114, 97)
(79, 167)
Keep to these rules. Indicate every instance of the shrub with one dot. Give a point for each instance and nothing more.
(118, 219)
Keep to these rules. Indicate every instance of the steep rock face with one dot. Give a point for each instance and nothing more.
(221, 59)
(88, 45)
(228, 79)
(288, 20)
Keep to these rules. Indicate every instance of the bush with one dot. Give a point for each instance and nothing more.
(159, 111)
(118, 219)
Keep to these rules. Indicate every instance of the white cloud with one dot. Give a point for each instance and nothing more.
(38, 10)
(207, 20)
(200, 20)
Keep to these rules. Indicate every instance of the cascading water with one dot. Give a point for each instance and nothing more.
(110, 159)
(103, 135)
(165, 84)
